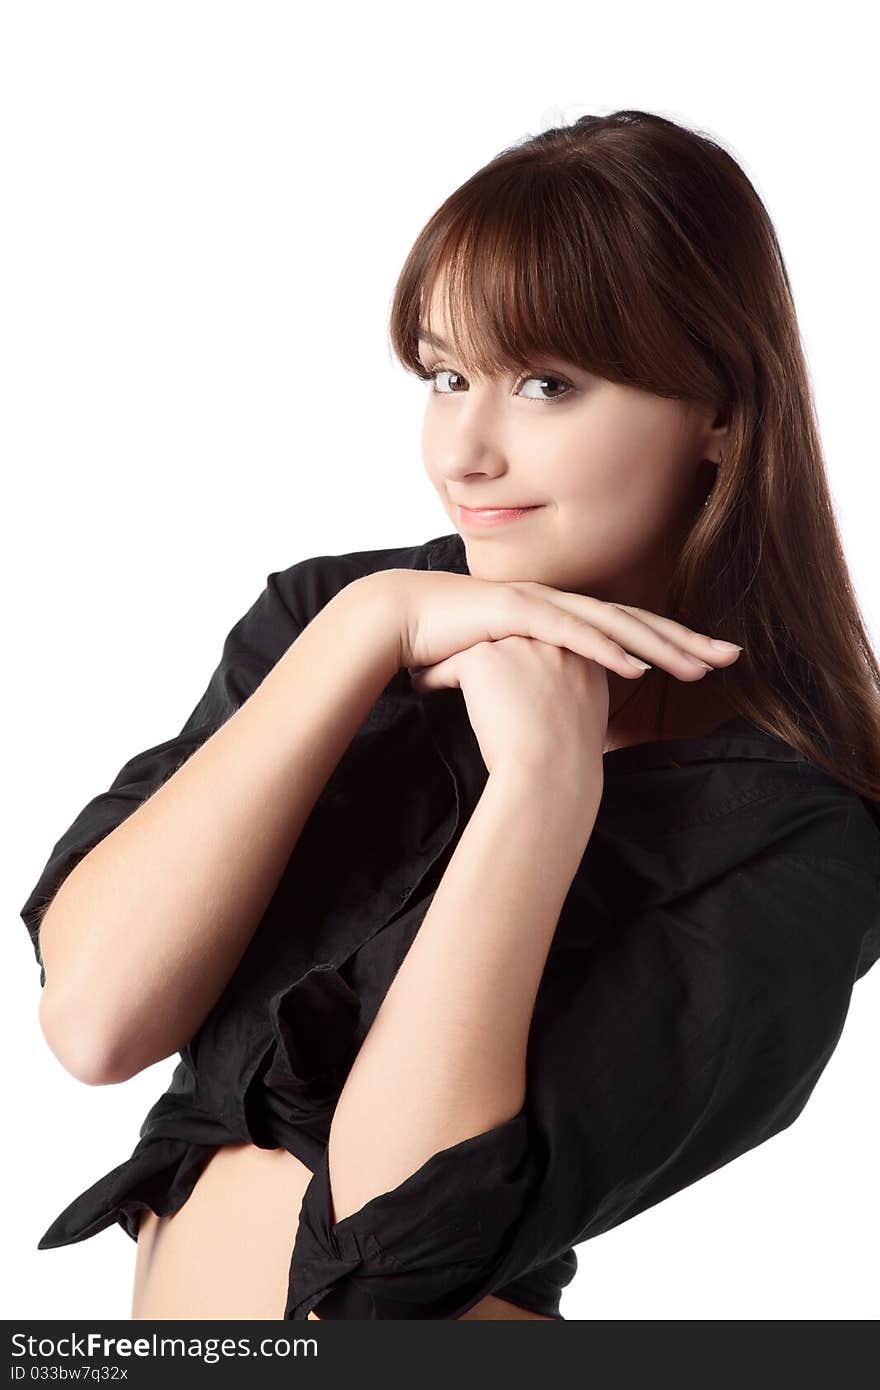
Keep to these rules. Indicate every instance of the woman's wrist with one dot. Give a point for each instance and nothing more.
(560, 779)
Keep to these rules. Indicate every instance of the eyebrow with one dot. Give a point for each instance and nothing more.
(432, 339)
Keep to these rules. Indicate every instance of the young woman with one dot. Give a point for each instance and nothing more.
(500, 886)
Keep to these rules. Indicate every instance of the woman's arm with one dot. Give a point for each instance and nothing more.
(704, 977)
(144, 933)
(445, 1057)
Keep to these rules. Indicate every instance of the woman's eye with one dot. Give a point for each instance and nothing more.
(436, 372)
(556, 380)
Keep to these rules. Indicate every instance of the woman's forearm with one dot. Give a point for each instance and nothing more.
(145, 932)
(445, 1057)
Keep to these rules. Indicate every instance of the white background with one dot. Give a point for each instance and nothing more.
(205, 208)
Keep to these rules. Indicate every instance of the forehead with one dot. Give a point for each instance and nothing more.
(432, 339)
(445, 315)
(486, 338)
(433, 329)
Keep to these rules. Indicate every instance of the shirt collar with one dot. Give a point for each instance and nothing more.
(448, 553)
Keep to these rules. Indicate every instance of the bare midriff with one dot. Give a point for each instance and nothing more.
(226, 1252)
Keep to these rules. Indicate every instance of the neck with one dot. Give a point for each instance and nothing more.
(691, 708)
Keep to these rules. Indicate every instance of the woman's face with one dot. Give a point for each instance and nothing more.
(616, 475)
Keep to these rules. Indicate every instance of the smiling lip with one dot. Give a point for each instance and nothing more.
(491, 516)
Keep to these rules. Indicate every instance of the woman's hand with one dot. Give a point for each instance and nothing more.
(530, 701)
(438, 613)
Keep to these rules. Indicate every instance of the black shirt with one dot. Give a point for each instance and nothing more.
(694, 990)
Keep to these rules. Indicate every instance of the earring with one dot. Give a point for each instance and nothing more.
(717, 466)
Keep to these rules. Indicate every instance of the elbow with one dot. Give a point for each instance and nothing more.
(89, 1053)
(83, 1055)
(384, 1261)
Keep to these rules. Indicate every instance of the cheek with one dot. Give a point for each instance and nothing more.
(595, 477)
(629, 473)
(614, 505)
(631, 431)
(589, 458)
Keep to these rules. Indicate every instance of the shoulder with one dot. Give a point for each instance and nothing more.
(306, 586)
(685, 814)
(287, 602)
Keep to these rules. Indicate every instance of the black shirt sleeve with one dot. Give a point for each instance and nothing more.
(252, 647)
(684, 1037)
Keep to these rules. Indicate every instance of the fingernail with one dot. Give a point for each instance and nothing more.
(724, 646)
(643, 665)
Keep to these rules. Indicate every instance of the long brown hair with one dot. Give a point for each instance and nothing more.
(640, 251)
